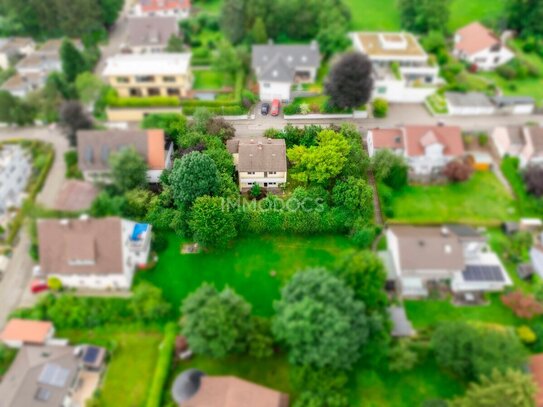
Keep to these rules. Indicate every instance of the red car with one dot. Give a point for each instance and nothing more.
(275, 107)
(38, 286)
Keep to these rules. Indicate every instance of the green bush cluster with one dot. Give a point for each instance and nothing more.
(150, 101)
(163, 366)
(218, 110)
(518, 68)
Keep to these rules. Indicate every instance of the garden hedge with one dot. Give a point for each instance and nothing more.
(162, 369)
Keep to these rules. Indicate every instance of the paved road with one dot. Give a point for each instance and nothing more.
(117, 34)
(399, 114)
(14, 285)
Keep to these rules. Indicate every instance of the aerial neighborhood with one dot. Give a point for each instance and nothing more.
(232, 203)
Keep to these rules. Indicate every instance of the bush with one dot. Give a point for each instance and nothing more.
(483, 139)
(291, 109)
(218, 110)
(72, 169)
(149, 101)
(163, 366)
(54, 284)
(526, 334)
(380, 107)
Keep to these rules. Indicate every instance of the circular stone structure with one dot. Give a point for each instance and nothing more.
(186, 385)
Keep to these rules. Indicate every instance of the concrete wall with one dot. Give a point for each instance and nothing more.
(136, 114)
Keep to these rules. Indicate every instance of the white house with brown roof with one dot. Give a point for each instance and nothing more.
(95, 147)
(402, 69)
(478, 45)
(452, 254)
(523, 142)
(91, 253)
(19, 332)
(261, 161)
(180, 9)
(14, 48)
(427, 149)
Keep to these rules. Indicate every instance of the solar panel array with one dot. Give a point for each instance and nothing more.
(91, 353)
(54, 375)
(483, 273)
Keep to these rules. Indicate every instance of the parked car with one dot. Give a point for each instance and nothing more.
(275, 107)
(38, 286)
(265, 109)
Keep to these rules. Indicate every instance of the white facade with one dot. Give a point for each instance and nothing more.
(274, 90)
(401, 69)
(264, 179)
(134, 254)
(469, 110)
(15, 170)
(14, 47)
(487, 59)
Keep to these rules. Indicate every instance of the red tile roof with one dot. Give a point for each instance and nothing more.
(32, 332)
(388, 138)
(419, 137)
(150, 6)
(475, 37)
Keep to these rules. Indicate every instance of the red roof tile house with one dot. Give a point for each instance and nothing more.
(478, 45)
(89, 253)
(427, 149)
(19, 332)
(162, 8)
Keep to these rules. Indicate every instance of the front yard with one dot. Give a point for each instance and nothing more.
(256, 267)
(133, 351)
(481, 200)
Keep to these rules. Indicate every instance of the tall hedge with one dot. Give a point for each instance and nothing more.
(163, 366)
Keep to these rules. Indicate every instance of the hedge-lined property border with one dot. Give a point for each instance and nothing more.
(33, 189)
(162, 369)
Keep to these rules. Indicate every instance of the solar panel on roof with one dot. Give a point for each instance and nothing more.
(483, 273)
(91, 353)
(54, 375)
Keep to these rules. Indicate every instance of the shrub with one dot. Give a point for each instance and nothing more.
(163, 366)
(483, 139)
(219, 110)
(149, 101)
(255, 191)
(523, 305)
(526, 334)
(458, 171)
(380, 107)
(291, 109)
(54, 284)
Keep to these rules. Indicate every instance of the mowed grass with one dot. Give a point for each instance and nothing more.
(255, 267)
(131, 365)
(384, 15)
(429, 313)
(480, 200)
(381, 387)
(208, 80)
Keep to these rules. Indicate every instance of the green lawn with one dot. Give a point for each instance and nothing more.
(481, 200)
(131, 365)
(209, 6)
(528, 205)
(428, 313)
(6, 357)
(384, 15)
(381, 388)
(247, 266)
(209, 80)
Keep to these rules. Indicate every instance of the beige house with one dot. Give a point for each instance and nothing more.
(261, 161)
(141, 75)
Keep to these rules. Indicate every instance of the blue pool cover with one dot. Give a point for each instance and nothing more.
(139, 230)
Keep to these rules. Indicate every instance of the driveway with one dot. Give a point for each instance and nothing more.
(14, 285)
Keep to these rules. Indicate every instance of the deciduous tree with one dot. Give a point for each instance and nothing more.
(320, 321)
(148, 304)
(128, 169)
(215, 323)
(458, 171)
(73, 118)
(533, 177)
(73, 62)
(210, 222)
(350, 82)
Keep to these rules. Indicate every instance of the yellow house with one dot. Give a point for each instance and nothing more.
(141, 75)
(261, 161)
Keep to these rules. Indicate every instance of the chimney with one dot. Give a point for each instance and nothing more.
(64, 222)
(84, 217)
(445, 231)
(252, 141)
(269, 140)
(260, 145)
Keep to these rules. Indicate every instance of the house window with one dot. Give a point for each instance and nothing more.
(135, 92)
(169, 79)
(145, 79)
(382, 90)
(266, 85)
(250, 173)
(153, 92)
(272, 173)
(123, 79)
(173, 92)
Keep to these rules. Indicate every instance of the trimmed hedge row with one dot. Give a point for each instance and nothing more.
(218, 110)
(33, 191)
(150, 101)
(162, 369)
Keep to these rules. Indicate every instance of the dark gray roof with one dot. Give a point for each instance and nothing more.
(513, 100)
(283, 60)
(469, 99)
(149, 31)
(95, 146)
(186, 385)
(401, 326)
(474, 272)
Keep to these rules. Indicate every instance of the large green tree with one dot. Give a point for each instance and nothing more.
(210, 222)
(73, 62)
(192, 176)
(321, 163)
(365, 273)
(215, 323)
(525, 16)
(390, 168)
(148, 304)
(234, 20)
(511, 388)
(356, 196)
(424, 15)
(320, 321)
(128, 169)
(469, 351)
